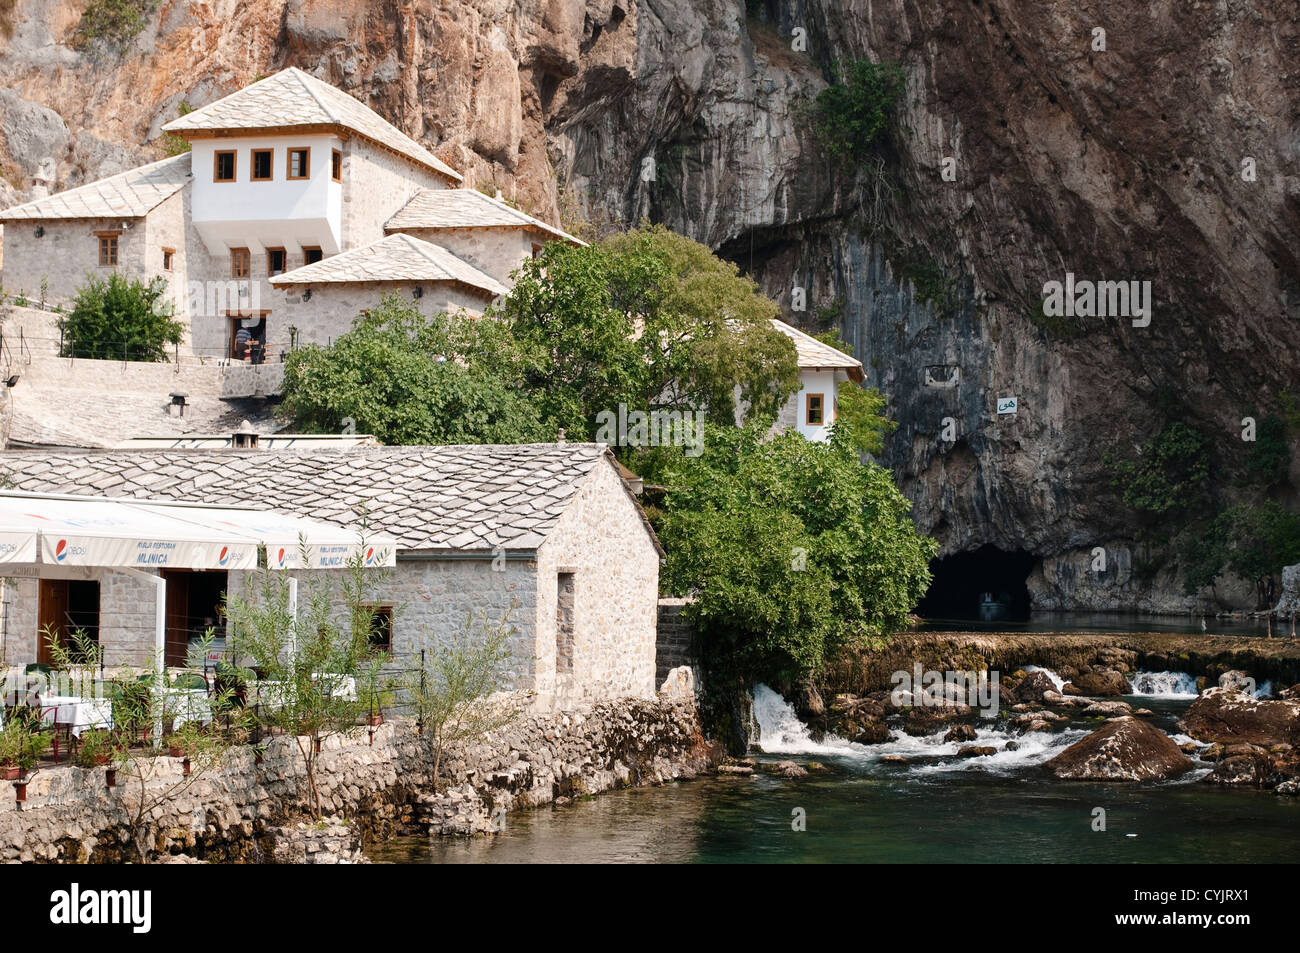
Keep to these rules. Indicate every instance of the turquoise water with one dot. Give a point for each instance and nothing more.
(934, 809)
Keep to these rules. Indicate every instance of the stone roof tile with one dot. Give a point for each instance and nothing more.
(129, 194)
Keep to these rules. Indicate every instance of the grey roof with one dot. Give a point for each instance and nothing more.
(392, 258)
(129, 194)
(62, 416)
(429, 498)
(814, 354)
(467, 208)
(294, 98)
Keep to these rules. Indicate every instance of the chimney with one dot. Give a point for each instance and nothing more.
(245, 438)
(177, 407)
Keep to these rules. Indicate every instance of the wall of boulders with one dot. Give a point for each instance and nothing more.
(246, 811)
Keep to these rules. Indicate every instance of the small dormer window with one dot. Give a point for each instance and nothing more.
(336, 166)
(223, 167)
(299, 163)
(262, 165)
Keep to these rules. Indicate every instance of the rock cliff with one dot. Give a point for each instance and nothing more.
(1122, 163)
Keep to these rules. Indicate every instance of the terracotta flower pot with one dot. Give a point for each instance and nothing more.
(376, 720)
(20, 791)
(176, 752)
(10, 773)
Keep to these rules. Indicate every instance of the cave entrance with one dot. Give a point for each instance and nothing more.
(987, 584)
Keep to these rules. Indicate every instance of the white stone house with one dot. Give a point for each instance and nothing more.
(822, 369)
(548, 533)
(281, 175)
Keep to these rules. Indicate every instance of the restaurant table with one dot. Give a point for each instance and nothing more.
(76, 713)
(183, 705)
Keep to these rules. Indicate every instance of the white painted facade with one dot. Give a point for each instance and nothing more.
(278, 213)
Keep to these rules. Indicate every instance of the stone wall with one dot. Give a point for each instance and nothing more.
(66, 253)
(231, 813)
(376, 185)
(675, 639)
(498, 251)
(602, 540)
(334, 308)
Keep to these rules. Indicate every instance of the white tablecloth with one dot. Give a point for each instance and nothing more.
(80, 713)
(273, 693)
(186, 705)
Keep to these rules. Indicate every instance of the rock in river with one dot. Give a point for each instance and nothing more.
(1124, 749)
(1226, 715)
(1099, 682)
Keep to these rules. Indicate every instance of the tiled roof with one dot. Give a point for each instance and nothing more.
(294, 98)
(59, 416)
(429, 498)
(814, 354)
(467, 208)
(128, 194)
(392, 258)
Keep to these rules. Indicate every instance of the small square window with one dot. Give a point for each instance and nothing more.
(239, 263)
(336, 166)
(168, 255)
(262, 159)
(381, 629)
(816, 410)
(108, 250)
(275, 259)
(224, 167)
(299, 163)
(311, 255)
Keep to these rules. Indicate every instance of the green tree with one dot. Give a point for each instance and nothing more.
(855, 110)
(646, 318)
(111, 25)
(1169, 476)
(1268, 459)
(860, 421)
(412, 379)
(793, 549)
(120, 319)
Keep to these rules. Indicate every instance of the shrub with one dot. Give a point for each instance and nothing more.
(120, 319)
(111, 25)
(851, 114)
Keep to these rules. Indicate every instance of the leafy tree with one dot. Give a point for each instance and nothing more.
(860, 421)
(649, 319)
(120, 319)
(793, 549)
(1268, 460)
(852, 113)
(1252, 540)
(1170, 475)
(411, 379)
(457, 693)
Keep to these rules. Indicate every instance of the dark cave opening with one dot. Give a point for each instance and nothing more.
(987, 583)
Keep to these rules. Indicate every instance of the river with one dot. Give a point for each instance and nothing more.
(935, 808)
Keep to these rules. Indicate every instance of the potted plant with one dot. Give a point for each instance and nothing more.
(20, 751)
(96, 748)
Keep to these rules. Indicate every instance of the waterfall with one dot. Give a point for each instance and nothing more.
(1056, 679)
(781, 732)
(1165, 684)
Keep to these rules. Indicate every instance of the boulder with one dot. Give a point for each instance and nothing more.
(960, 733)
(927, 719)
(1109, 709)
(1125, 749)
(1032, 687)
(1099, 683)
(1227, 715)
(1058, 700)
(976, 751)
(679, 685)
(1236, 678)
(785, 769)
(872, 732)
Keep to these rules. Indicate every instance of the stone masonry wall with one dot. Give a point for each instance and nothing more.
(674, 643)
(376, 185)
(230, 813)
(498, 251)
(334, 308)
(66, 253)
(603, 542)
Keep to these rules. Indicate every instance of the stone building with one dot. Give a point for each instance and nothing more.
(280, 176)
(548, 535)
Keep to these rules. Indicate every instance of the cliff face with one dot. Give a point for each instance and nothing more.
(1115, 164)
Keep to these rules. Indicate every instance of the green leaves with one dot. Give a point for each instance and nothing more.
(1169, 476)
(411, 379)
(117, 319)
(851, 114)
(793, 549)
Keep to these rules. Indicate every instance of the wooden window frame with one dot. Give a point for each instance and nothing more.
(336, 165)
(252, 165)
(807, 410)
(284, 259)
(234, 165)
(247, 258)
(288, 163)
(306, 249)
(169, 258)
(107, 236)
